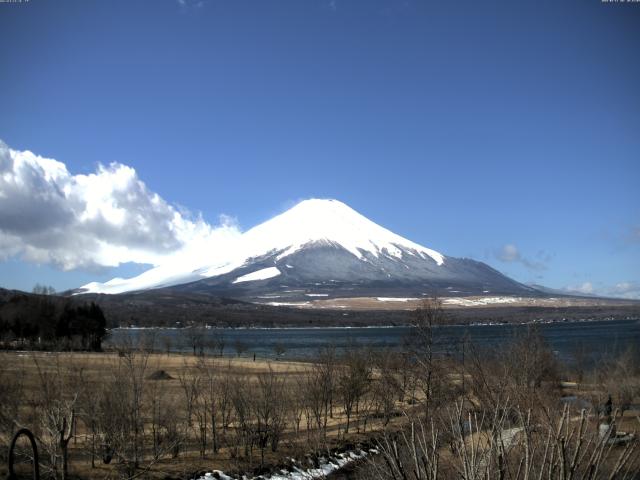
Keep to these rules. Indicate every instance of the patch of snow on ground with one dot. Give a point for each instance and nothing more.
(473, 302)
(215, 475)
(287, 304)
(263, 274)
(394, 299)
(325, 468)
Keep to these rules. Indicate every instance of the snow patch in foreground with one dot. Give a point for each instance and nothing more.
(263, 274)
(326, 467)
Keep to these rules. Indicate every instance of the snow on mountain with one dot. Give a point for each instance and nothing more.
(332, 221)
(311, 222)
(263, 274)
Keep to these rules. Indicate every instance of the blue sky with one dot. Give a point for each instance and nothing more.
(508, 132)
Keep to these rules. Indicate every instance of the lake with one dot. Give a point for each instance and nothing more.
(592, 339)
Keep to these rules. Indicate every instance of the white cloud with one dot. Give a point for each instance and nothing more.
(191, 3)
(509, 253)
(585, 288)
(629, 290)
(106, 218)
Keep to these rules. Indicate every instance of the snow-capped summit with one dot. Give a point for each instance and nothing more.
(334, 222)
(320, 247)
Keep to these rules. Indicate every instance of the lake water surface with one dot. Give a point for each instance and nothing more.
(592, 339)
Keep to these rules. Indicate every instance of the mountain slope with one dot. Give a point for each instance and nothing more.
(329, 271)
(323, 248)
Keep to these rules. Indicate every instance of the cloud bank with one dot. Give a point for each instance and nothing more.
(104, 219)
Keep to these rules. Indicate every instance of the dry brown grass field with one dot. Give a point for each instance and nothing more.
(90, 372)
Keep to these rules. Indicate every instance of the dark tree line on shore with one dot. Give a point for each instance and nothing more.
(48, 322)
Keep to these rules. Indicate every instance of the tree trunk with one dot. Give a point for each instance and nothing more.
(214, 436)
(93, 448)
(65, 453)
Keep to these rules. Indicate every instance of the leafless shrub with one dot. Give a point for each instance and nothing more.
(524, 370)
(620, 376)
(483, 446)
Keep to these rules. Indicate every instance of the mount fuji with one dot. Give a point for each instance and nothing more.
(325, 249)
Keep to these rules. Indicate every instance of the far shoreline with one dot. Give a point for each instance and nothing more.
(408, 325)
(569, 318)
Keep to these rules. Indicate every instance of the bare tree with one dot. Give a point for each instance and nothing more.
(353, 381)
(87, 402)
(385, 387)
(194, 338)
(326, 366)
(167, 343)
(202, 412)
(190, 385)
(241, 397)
(167, 436)
(319, 388)
(524, 369)
(224, 401)
(43, 289)
(427, 317)
(58, 407)
(279, 349)
(120, 411)
(12, 381)
(620, 376)
(211, 391)
(240, 347)
(219, 343)
(268, 409)
(297, 402)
